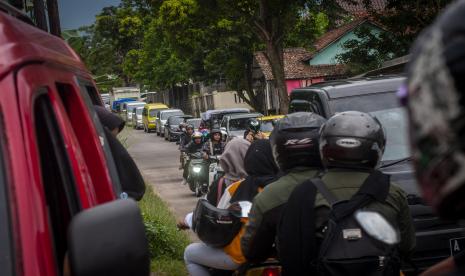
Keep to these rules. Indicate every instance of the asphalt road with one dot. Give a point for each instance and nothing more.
(158, 161)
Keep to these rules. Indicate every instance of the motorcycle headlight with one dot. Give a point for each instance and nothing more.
(196, 169)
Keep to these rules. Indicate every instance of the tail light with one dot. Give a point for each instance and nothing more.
(271, 271)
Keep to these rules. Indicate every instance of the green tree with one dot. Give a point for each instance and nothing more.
(402, 20)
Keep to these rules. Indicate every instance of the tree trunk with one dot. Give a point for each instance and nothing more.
(54, 17)
(39, 14)
(276, 59)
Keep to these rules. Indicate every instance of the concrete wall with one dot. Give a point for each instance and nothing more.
(328, 54)
(216, 100)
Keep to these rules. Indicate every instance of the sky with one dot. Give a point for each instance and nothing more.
(77, 13)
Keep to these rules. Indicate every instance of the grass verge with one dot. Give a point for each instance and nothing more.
(166, 243)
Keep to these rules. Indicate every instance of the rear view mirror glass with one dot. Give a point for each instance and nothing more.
(377, 227)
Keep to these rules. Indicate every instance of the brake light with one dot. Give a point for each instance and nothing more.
(271, 271)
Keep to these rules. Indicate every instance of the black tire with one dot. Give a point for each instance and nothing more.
(158, 133)
(165, 136)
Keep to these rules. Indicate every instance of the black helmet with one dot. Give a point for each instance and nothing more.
(253, 125)
(294, 140)
(352, 139)
(215, 227)
(434, 96)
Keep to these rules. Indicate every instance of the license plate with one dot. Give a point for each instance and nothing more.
(456, 246)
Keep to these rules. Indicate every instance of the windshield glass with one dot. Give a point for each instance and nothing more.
(238, 124)
(139, 111)
(266, 126)
(194, 122)
(153, 112)
(385, 107)
(176, 120)
(166, 115)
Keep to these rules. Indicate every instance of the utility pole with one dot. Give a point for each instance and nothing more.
(53, 17)
(39, 15)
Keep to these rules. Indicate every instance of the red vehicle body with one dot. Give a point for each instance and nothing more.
(54, 161)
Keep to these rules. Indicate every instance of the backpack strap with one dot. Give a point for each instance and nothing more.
(321, 187)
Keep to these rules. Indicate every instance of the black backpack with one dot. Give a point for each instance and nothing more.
(345, 248)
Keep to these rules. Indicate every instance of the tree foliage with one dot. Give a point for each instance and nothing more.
(402, 20)
(162, 43)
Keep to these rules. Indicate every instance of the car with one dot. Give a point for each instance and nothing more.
(162, 116)
(195, 122)
(149, 115)
(172, 130)
(377, 96)
(267, 123)
(136, 118)
(128, 107)
(58, 181)
(212, 118)
(234, 125)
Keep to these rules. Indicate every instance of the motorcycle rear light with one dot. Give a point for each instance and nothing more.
(271, 271)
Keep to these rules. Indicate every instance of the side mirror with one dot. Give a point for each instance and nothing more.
(109, 239)
(377, 227)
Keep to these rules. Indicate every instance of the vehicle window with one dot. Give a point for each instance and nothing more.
(224, 122)
(394, 121)
(194, 122)
(365, 103)
(85, 130)
(93, 94)
(166, 115)
(266, 126)
(7, 256)
(238, 124)
(153, 112)
(57, 178)
(139, 111)
(385, 107)
(176, 120)
(144, 112)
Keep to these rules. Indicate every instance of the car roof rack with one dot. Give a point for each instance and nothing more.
(12, 11)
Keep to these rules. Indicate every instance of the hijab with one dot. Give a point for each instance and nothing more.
(232, 159)
(261, 170)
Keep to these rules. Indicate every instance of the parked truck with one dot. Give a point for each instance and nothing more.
(117, 93)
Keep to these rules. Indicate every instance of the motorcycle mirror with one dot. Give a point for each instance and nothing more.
(377, 227)
(241, 209)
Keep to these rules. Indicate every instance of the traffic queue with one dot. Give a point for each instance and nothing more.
(331, 192)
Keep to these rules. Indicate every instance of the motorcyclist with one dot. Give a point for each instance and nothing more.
(186, 137)
(434, 96)
(215, 146)
(194, 146)
(351, 145)
(262, 170)
(184, 140)
(253, 132)
(294, 141)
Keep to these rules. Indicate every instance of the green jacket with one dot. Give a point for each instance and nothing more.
(344, 184)
(260, 232)
(259, 237)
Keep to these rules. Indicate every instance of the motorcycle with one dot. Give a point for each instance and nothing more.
(214, 171)
(198, 174)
